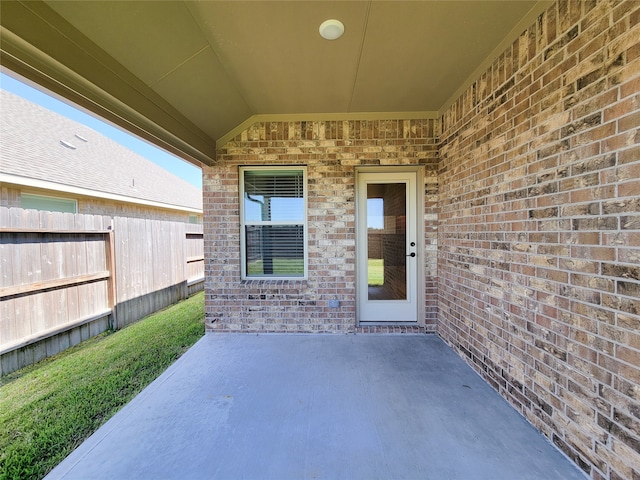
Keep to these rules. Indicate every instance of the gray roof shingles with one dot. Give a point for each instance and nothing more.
(31, 146)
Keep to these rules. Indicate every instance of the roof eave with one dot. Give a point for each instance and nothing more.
(85, 192)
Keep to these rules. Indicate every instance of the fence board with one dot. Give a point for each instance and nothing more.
(150, 282)
(122, 256)
(5, 217)
(74, 295)
(6, 262)
(194, 252)
(7, 327)
(20, 318)
(54, 276)
(49, 271)
(110, 263)
(7, 324)
(52, 284)
(139, 258)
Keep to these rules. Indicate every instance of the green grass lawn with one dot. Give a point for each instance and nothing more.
(375, 272)
(281, 266)
(48, 409)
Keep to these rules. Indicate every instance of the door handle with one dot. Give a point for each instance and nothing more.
(412, 254)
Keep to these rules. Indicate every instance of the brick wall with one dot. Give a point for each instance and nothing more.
(539, 232)
(331, 151)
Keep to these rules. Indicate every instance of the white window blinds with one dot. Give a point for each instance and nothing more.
(273, 217)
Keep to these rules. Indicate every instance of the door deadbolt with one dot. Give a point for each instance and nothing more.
(412, 254)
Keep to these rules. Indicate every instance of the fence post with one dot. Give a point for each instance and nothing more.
(111, 284)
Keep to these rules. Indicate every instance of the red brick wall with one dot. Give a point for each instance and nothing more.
(331, 151)
(539, 232)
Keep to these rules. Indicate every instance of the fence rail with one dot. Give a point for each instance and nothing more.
(65, 277)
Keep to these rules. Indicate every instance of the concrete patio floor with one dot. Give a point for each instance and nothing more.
(241, 406)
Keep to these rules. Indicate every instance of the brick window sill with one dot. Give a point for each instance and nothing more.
(274, 283)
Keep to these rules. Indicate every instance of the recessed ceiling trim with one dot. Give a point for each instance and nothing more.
(322, 117)
(526, 21)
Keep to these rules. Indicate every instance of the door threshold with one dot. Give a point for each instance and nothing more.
(389, 324)
(391, 327)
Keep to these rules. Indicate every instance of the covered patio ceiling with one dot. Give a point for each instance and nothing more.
(188, 76)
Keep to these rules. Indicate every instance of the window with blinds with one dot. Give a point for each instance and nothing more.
(273, 222)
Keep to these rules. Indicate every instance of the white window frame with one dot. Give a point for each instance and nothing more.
(243, 224)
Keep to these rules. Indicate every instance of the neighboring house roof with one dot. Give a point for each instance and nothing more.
(41, 148)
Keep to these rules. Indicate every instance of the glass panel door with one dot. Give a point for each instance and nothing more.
(387, 247)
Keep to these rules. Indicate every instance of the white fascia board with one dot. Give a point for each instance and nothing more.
(85, 192)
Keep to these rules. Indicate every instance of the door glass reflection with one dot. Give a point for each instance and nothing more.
(386, 241)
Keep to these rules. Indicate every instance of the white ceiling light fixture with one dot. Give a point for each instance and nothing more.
(331, 29)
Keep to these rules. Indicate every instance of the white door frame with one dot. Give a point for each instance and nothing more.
(386, 312)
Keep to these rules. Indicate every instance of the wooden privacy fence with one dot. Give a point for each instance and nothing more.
(66, 277)
(157, 262)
